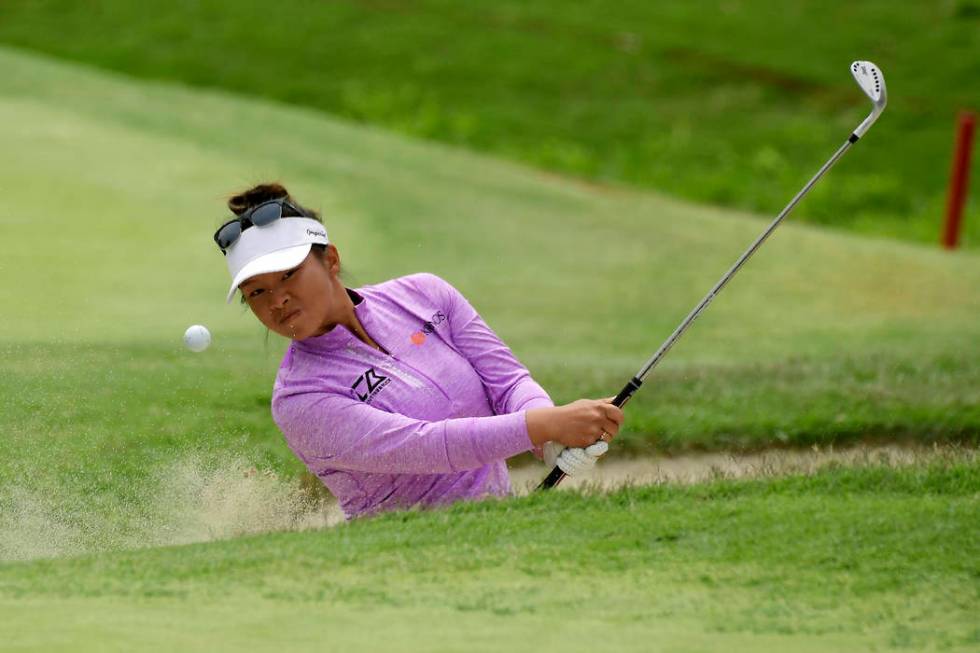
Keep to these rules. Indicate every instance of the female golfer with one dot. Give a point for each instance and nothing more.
(395, 394)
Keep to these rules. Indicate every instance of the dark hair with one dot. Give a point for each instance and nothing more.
(243, 201)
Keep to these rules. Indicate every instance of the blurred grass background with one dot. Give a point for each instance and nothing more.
(730, 102)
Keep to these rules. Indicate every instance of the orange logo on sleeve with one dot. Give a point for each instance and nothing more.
(418, 338)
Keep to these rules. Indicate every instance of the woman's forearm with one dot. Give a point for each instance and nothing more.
(539, 428)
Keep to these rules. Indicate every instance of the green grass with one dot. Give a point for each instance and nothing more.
(735, 104)
(116, 438)
(870, 559)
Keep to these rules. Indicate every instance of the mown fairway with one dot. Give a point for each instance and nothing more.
(111, 431)
(867, 560)
(732, 103)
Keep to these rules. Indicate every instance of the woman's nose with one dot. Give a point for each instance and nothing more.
(279, 299)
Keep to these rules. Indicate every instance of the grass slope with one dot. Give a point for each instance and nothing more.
(867, 559)
(729, 103)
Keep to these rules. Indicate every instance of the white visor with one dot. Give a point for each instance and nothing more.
(279, 245)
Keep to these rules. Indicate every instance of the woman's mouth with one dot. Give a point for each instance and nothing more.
(289, 316)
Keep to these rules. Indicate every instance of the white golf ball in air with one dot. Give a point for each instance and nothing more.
(197, 337)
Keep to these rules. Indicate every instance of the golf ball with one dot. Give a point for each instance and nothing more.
(197, 337)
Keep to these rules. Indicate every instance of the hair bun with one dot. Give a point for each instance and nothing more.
(241, 202)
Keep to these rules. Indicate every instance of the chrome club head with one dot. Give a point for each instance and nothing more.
(872, 82)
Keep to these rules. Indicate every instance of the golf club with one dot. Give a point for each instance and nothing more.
(872, 82)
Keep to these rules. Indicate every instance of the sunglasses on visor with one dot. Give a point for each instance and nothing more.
(257, 216)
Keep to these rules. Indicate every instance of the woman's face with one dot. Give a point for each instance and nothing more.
(299, 302)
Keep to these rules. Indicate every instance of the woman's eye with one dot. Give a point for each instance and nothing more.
(255, 293)
(288, 274)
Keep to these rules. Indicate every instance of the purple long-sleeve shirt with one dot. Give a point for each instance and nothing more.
(429, 424)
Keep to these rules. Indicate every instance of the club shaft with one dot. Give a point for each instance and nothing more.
(556, 475)
(693, 315)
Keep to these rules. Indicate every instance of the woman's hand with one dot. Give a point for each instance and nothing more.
(578, 424)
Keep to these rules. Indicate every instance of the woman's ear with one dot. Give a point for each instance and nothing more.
(333, 259)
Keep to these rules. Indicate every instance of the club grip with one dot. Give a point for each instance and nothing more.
(552, 479)
(624, 395)
(556, 475)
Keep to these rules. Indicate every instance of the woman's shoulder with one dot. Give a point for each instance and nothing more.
(424, 287)
(305, 374)
(297, 366)
(417, 281)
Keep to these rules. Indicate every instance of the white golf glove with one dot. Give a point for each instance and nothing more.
(551, 451)
(574, 460)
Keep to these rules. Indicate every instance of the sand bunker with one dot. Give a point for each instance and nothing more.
(188, 501)
(192, 500)
(613, 472)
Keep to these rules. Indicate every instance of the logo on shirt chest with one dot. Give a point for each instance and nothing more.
(369, 384)
(428, 327)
